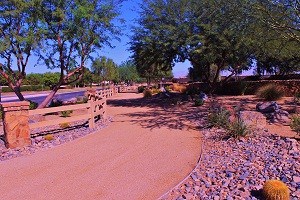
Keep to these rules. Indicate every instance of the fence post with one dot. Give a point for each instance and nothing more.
(92, 113)
(16, 124)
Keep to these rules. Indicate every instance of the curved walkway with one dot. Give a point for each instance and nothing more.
(130, 159)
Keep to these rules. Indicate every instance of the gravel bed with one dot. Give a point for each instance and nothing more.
(237, 168)
(60, 135)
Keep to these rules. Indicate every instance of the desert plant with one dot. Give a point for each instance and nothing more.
(64, 125)
(55, 103)
(49, 137)
(155, 90)
(81, 99)
(275, 190)
(141, 89)
(269, 92)
(238, 129)
(147, 93)
(219, 117)
(66, 113)
(297, 98)
(179, 88)
(33, 105)
(198, 102)
(295, 123)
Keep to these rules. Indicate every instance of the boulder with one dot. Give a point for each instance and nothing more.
(253, 119)
(70, 101)
(268, 107)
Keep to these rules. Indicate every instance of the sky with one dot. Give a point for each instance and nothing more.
(129, 12)
(120, 53)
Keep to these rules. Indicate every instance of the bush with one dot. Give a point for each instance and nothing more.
(295, 123)
(66, 113)
(237, 129)
(141, 89)
(49, 137)
(198, 102)
(155, 91)
(275, 189)
(219, 118)
(179, 88)
(147, 93)
(55, 103)
(297, 98)
(81, 100)
(64, 125)
(33, 105)
(269, 92)
(27, 88)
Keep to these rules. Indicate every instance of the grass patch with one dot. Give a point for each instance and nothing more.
(269, 92)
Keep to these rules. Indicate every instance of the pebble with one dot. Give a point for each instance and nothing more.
(77, 129)
(238, 168)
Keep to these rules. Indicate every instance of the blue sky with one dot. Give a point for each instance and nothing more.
(120, 53)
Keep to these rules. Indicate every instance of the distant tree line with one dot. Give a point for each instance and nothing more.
(218, 35)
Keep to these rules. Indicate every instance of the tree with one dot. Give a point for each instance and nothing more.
(128, 72)
(105, 69)
(208, 33)
(19, 36)
(74, 29)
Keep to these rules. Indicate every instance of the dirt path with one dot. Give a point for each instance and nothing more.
(130, 159)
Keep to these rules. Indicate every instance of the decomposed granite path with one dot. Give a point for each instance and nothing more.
(132, 158)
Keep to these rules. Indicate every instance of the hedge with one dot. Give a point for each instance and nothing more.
(27, 88)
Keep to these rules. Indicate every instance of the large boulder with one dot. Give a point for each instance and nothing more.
(253, 119)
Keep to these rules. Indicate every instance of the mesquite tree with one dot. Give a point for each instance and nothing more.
(19, 36)
(73, 30)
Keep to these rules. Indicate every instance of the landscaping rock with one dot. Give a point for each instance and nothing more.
(253, 119)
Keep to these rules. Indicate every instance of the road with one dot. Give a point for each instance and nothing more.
(39, 97)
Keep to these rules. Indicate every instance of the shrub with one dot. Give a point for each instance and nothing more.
(295, 123)
(219, 117)
(275, 190)
(269, 92)
(198, 102)
(141, 89)
(237, 129)
(66, 113)
(64, 125)
(81, 99)
(147, 93)
(55, 103)
(297, 98)
(155, 91)
(49, 137)
(33, 105)
(179, 88)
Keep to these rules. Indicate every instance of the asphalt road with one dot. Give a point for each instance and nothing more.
(38, 98)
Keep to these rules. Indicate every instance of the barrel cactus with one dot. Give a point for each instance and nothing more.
(276, 190)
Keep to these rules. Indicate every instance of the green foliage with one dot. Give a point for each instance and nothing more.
(238, 129)
(27, 88)
(147, 93)
(49, 137)
(219, 117)
(55, 103)
(295, 123)
(81, 100)
(128, 72)
(297, 98)
(64, 125)
(198, 102)
(141, 89)
(66, 113)
(275, 190)
(33, 105)
(105, 69)
(269, 92)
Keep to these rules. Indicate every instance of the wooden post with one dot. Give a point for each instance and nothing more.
(92, 113)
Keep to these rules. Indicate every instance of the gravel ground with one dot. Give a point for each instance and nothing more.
(238, 168)
(60, 136)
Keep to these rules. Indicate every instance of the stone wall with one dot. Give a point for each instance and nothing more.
(15, 124)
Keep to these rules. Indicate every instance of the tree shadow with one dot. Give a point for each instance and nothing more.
(173, 112)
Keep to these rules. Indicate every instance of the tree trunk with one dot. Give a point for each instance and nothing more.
(17, 91)
(49, 97)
